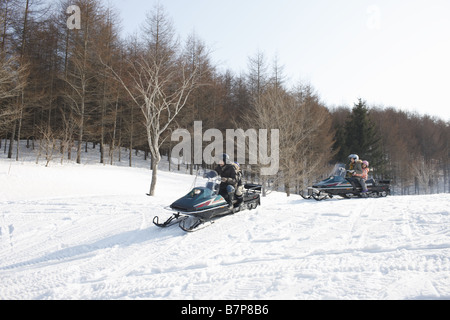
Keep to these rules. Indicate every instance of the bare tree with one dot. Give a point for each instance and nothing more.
(109, 93)
(257, 115)
(198, 105)
(305, 135)
(257, 75)
(12, 81)
(82, 77)
(159, 81)
(313, 137)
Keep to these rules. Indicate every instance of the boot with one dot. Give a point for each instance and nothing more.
(230, 201)
(239, 201)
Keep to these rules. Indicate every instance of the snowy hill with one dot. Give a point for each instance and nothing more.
(86, 232)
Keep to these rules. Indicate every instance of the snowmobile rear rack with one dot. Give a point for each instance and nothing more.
(249, 187)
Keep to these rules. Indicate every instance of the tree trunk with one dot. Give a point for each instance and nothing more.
(155, 162)
(19, 130)
(287, 188)
(21, 103)
(130, 158)
(11, 140)
(80, 137)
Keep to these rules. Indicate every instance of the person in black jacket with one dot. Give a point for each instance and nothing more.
(228, 182)
(354, 167)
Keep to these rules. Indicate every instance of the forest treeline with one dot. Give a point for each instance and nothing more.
(61, 87)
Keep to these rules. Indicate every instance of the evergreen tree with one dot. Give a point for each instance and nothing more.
(340, 144)
(362, 138)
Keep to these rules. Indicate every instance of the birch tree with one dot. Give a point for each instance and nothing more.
(159, 81)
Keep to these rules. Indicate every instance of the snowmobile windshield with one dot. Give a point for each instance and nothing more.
(338, 170)
(210, 180)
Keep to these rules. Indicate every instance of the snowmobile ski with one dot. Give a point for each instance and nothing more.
(173, 219)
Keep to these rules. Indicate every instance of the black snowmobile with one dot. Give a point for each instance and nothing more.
(203, 204)
(338, 185)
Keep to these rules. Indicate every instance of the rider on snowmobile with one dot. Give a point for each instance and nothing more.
(228, 183)
(362, 177)
(354, 167)
(351, 166)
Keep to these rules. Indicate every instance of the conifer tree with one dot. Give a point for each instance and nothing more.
(362, 138)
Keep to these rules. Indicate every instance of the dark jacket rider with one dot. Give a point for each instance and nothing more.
(228, 182)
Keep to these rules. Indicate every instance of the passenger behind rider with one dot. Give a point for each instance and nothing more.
(362, 177)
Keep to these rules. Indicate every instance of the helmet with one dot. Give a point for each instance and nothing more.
(353, 156)
(225, 158)
(366, 163)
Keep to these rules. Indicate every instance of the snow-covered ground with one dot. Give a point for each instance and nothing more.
(86, 232)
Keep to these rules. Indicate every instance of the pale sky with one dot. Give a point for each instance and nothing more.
(389, 53)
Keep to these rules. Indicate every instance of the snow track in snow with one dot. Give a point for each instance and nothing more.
(100, 243)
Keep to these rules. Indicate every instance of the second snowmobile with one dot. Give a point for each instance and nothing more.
(203, 204)
(338, 185)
